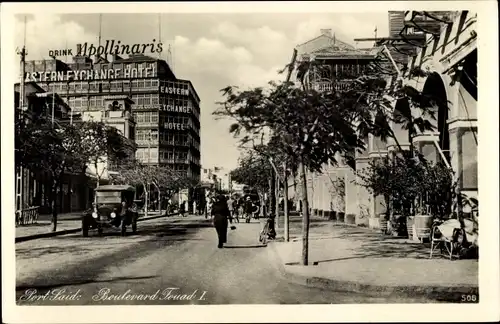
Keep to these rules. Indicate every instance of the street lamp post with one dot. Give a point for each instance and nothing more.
(53, 105)
(147, 183)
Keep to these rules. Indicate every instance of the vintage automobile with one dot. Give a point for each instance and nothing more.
(114, 207)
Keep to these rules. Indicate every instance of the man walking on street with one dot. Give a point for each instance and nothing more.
(220, 214)
(236, 210)
(182, 209)
(230, 206)
(248, 209)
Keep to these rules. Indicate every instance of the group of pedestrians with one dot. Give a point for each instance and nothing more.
(241, 207)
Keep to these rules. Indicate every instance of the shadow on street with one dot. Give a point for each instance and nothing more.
(243, 246)
(159, 236)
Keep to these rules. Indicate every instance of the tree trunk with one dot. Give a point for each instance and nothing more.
(272, 198)
(54, 204)
(305, 215)
(262, 204)
(285, 205)
(98, 180)
(276, 194)
(410, 140)
(146, 200)
(159, 197)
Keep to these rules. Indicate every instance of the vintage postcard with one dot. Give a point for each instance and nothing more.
(254, 162)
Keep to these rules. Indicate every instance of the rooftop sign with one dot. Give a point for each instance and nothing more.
(111, 47)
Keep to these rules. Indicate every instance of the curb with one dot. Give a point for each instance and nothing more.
(438, 293)
(44, 235)
(74, 230)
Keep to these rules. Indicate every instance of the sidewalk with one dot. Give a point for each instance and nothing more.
(359, 259)
(65, 222)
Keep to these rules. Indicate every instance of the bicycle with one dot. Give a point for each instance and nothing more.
(267, 232)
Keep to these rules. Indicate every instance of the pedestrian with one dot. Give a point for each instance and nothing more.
(230, 206)
(209, 208)
(182, 209)
(241, 207)
(248, 209)
(236, 211)
(220, 214)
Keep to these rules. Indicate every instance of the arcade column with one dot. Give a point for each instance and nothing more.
(463, 151)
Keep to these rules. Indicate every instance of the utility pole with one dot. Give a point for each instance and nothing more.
(285, 179)
(146, 190)
(53, 107)
(159, 33)
(67, 100)
(20, 171)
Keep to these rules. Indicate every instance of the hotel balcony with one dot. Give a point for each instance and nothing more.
(330, 86)
(175, 161)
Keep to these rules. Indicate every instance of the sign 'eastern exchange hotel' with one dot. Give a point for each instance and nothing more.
(88, 75)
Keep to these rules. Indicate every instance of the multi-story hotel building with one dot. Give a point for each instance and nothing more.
(165, 110)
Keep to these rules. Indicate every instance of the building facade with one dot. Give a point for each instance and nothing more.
(341, 64)
(443, 45)
(165, 110)
(218, 176)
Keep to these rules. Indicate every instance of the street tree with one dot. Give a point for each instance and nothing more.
(50, 148)
(314, 128)
(166, 181)
(254, 171)
(104, 146)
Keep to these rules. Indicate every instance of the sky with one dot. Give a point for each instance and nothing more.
(211, 50)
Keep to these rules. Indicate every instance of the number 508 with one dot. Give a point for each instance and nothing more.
(469, 298)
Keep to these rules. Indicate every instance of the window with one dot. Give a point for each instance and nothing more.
(154, 83)
(140, 84)
(154, 117)
(154, 135)
(126, 85)
(139, 99)
(140, 118)
(155, 100)
(147, 83)
(139, 135)
(94, 86)
(116, 86)
(105, 85)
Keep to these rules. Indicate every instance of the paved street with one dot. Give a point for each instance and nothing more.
(164, 255)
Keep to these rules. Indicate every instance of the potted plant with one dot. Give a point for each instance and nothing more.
(377, 178)
(435, 197)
